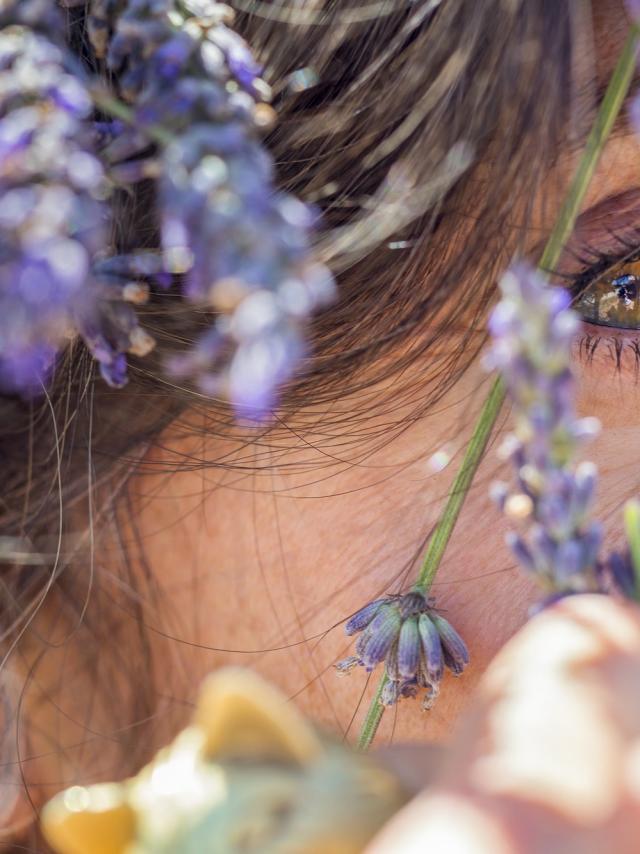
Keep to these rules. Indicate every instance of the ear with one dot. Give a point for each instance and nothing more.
(243, 717)
(95, 819)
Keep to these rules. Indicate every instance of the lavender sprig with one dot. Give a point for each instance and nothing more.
(532, 329)
(242, 248)
(413, 640)
(51, 215)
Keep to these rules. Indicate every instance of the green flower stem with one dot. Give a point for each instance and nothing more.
(374, 716)
(632, 527)
(460, 488)
(609, 110)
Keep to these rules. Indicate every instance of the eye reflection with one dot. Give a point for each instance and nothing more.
(613, 299)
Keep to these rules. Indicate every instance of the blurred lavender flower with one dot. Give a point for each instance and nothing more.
(53, 217)
(532, 329)
(50, 217)
(414, 641)
(241, 248)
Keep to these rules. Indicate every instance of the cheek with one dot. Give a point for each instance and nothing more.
(272, 564)
(609, 388)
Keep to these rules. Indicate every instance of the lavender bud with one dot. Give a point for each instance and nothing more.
(390, 693)
(568, 562)
(432, 649)
(521, 551)
(391, 662)
(456, 655)
(363, 617)
(430, 696)
(409, 648)
(384, 630)
(346, 665)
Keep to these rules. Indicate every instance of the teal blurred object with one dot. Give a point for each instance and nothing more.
(248, 775)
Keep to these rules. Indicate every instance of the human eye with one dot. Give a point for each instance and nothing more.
(607, 294)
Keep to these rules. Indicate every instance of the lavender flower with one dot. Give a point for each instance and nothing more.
(413, 640)
(532, 329)
(51, 217)
(242, 249)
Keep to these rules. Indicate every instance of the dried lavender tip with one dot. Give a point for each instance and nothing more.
(430, 697)
(409, 648)
(453, 646)
(344, 667)
(414, 641)
(384, 629)
(361, 619)
(432, 649)
(390, 693)
(391, 663)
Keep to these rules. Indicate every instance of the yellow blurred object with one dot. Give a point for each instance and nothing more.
(249, 775)
(96, 820)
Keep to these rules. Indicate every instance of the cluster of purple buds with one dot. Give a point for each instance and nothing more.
(532, 329)
(51, 216)
(240, 248)
(182, 104)
(413, 640)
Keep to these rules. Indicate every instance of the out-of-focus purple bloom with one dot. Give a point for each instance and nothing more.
(53, 217)
(240, 247)
(532, 329)
(413, 640)
(633, 7)
(50, 217)
(618, 573)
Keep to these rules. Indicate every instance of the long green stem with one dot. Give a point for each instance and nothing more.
(607, 114)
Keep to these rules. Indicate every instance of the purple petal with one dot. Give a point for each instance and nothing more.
(456, 655)
(363, 617)
(432, 649)
(409, 648)
(384, 630)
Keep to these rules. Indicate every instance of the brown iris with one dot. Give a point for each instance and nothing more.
(614, 298)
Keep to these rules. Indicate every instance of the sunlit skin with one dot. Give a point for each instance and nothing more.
(281, 556)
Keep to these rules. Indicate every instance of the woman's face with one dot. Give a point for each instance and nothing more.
(268, 557)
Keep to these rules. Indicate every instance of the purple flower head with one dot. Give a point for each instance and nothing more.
(239, 250)
(413, 640)
(532, 329)
(242, 249)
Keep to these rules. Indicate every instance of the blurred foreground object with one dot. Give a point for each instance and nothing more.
(249, 775)
(547, 759)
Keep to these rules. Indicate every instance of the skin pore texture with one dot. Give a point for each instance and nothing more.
(270, 553)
